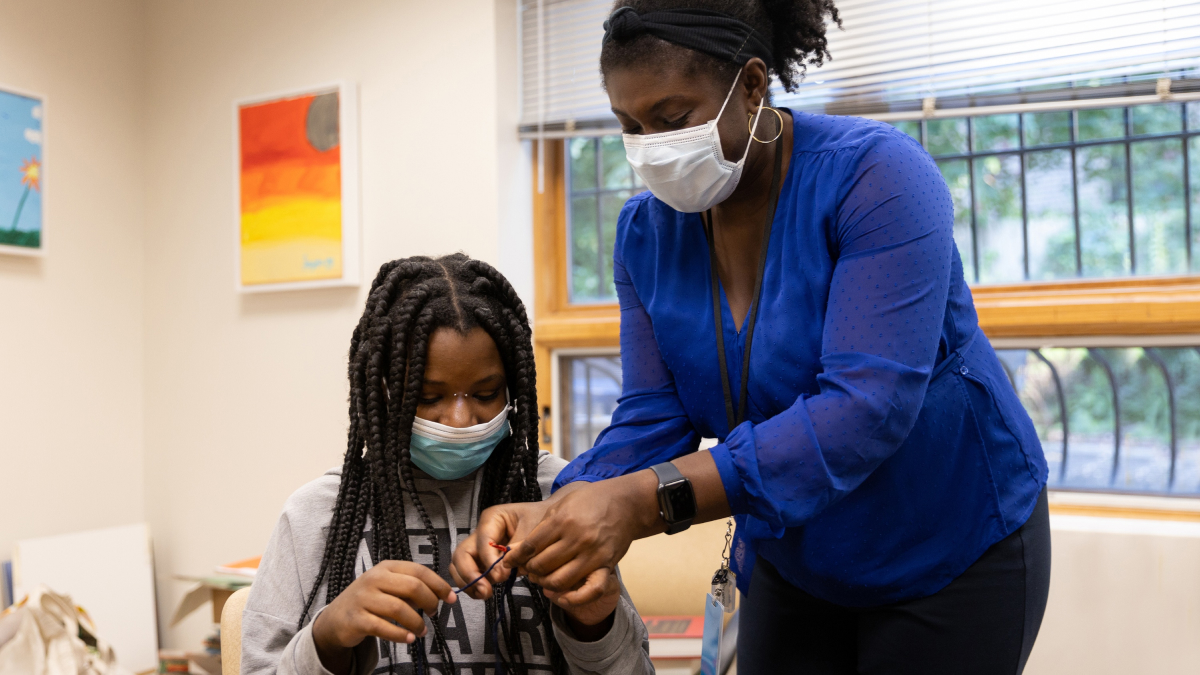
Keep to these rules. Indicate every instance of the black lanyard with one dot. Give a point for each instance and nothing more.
(716, 297)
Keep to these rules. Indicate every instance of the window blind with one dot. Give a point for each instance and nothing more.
(894, 51)
(893, 54)
(560, 64)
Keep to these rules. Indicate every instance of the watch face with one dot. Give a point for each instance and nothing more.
(683, 502)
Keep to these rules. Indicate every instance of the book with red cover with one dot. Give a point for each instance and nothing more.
(675, 637)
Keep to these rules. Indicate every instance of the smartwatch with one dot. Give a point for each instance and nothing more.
(676, 500)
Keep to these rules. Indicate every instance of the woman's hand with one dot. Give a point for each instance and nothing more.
(592, 621)
(391, 591)
(499, 524)
(585, 527)
(585, 530)
(510, 522)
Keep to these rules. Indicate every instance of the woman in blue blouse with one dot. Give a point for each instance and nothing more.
(804, 303)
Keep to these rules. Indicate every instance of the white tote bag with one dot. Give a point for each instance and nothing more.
(46, 634)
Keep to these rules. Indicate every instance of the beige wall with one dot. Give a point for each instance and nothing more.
(246, 395)
(1124, 598)
(71, 323)
(1124, 593)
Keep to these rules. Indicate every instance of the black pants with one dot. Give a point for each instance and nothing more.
(983, 623)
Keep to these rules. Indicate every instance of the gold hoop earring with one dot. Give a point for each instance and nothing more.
(750, 124)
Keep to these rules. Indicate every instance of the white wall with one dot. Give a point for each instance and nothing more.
(246, 395)
(71, 323)
(515, 161)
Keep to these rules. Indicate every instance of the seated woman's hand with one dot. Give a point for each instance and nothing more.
(388, 594)
(591, 620)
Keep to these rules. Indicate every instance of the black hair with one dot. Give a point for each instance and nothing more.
(796, 29)
(408, 300)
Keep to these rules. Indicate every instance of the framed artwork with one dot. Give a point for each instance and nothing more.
(297, 188)
(22, 172)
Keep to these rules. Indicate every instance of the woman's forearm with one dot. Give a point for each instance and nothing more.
(701, 470)
(640, 491)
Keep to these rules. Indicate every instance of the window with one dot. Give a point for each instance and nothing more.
(1041, 201)
(590, 384)
(600, 182)
(1125, 419)
(1097, 193)
(1038, 196)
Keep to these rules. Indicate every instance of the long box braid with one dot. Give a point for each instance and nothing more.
(410, 299)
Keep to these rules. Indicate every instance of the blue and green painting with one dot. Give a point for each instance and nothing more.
(20, 171)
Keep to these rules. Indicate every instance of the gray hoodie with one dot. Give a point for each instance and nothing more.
(271, 644)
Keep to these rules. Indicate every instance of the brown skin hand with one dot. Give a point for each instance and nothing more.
(390, 591)
(571, 543)
(464, 386)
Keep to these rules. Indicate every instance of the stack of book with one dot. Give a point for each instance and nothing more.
(675, 643)
(216, 588)
(242, 568)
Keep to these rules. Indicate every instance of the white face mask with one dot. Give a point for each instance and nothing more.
(686, 168)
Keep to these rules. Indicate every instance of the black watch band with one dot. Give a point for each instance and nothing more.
(676, 499)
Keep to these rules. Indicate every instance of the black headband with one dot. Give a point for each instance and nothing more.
(712, 33)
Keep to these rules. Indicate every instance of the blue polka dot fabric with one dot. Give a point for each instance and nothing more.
(884, 448)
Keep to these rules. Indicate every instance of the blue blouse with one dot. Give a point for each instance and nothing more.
(884, 449)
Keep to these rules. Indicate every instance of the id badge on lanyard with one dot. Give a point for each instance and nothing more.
(714, 628)
(721, 599)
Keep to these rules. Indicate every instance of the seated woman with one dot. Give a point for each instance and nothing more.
(443, 423)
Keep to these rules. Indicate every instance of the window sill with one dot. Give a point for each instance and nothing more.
(579, 326)
(1097, 504)
(1130, 306)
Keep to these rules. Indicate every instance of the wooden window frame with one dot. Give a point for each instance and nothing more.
(1123, 307)
(558, 324)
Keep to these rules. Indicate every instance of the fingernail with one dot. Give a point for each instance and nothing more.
(411, 638)
(452, 598)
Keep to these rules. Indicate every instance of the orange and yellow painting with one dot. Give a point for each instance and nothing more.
(291, 190)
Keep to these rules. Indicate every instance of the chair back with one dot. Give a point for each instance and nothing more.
(231, 633)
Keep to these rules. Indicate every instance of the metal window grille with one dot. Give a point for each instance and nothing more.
(1074, 193)
(1123, 419)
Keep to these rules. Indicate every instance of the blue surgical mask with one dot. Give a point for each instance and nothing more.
(447, 453)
